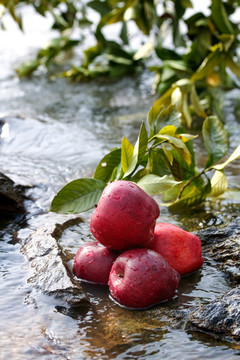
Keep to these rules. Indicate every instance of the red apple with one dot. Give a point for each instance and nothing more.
(140, 278)
(125, 216)
(93, 262)
(180, 248)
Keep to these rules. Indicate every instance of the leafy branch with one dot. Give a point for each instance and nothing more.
(161, 162)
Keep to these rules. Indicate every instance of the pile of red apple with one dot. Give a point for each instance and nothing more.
(141, 261)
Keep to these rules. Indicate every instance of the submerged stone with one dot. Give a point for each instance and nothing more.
(50, 273)
(221, 316)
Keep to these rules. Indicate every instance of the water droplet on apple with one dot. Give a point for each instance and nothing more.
(116, 197)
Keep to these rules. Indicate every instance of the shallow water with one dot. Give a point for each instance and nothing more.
(57, 131)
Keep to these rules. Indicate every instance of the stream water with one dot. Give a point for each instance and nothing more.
(54, 132)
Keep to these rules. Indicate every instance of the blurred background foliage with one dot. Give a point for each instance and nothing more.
(194, 57)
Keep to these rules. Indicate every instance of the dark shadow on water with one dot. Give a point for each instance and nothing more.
(76, 313)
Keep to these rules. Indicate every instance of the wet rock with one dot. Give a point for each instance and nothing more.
(12, 196)
(221, 317)
(50, 274)
(222, 245)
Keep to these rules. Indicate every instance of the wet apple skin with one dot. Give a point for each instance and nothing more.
(125, 216)
(141, 278)
(180, 248)
(93, 262)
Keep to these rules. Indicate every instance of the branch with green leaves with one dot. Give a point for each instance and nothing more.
(161, 162)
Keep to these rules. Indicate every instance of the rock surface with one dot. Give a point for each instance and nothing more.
(223, 246)
(50, 275)
(11, 196)
(221, 316)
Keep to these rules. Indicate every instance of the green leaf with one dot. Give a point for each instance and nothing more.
(126, 153)
(138, 151)
(144, 51)
(133, 162)
(171, 195)
(168, 130)
(114, 174)
(215, 138)
(178, 143)
(107, 165)
(184, 84)
(176, 99)
(100, 6)
(183, 154)
(139, 174)
(158, 105)
(59, 19)
(187, 137)
(78, 196)
(234, 156)
(124, 34)
(153, 113)
(227, 41)
(233, 66)
(168, 116)
(112, 17)
(130, 13)
(186, 3)
(196, 102)
(220, 17)
(185, 110)
(184, 164)
(166, 54)
(207, 66)
(191, 196)
(142, 142)
(167, 74)
(156, 185)
(27, 68)
(118, 59)
(168, 154)
(91, 53)
(219, 183)
(157, 163)
(178, 65)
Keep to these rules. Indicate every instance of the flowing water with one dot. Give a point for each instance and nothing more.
(54, 132)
